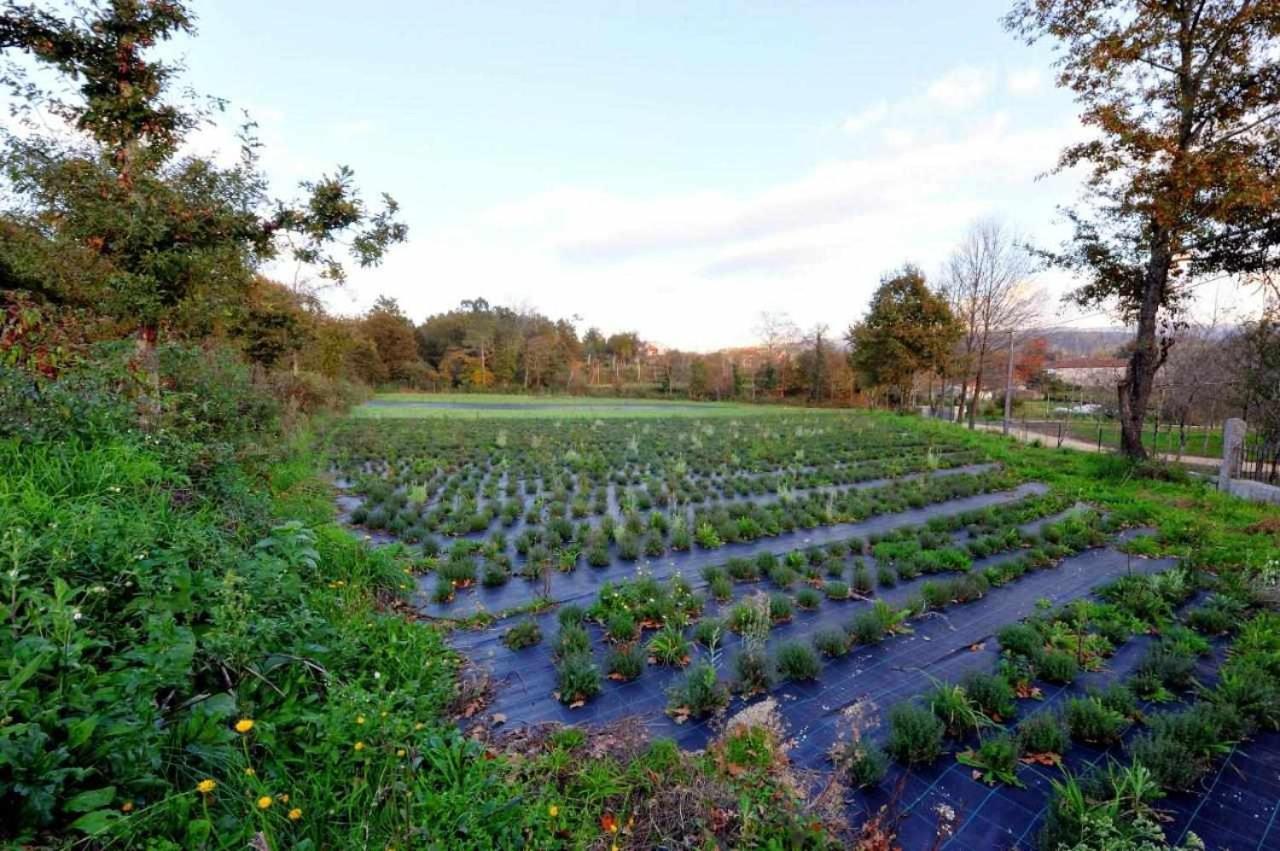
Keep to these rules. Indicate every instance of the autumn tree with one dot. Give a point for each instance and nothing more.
(111, 216)
(1183, 164)
(908, 329)
(987, 282)
(391, 333)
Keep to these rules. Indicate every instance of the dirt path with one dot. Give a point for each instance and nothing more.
(1029, 436)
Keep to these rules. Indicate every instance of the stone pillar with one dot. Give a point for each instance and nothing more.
(1233, 431)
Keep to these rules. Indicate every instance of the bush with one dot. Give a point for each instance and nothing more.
(524, 634)
(1090, 721)
(808, 598)
(754, 671)
(699, 693)
(779, 607)
(1019, 639)
(1043, 733)
(863, 763)
(915, 735)
(721, 589)
(709, 629)
(1057, 666)
(622, 626)
(862, 583)
(571, 641)
(1167, 665)
(991, 693)
(996, 760)
(831, 642)
(886, 576)
(835, 590)
(669, 646)
(577, 678)
(624, 662)
(571, 615)
(798, 661)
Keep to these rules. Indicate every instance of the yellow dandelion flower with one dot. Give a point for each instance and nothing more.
(264, 802)
(359, 746)
(418, 726)
(206, 786)
(250, 772)
(244, 725)
(553, 811)
(295, 814)
(126, 807)
(284, 799)
(359, 719)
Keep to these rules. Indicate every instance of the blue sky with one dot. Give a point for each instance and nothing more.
(669, 167)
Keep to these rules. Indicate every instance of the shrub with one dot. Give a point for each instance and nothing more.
(959, 715)
(577, 678)
(1020, 639)
(571, 615)
(1118, 698)
(782, 576)
(721, 589)
(1167, 664)
(742, 570)
(524, 634)
(863, 763)
(1090, 721)
(808, 598)
(798, 661)
(670, 647)
(780, 607)
(709, 629)
(1043, 733)
(831, 642)
(754, 670)
(1057, 666)
(996, 760)
(862, 581)
(915, 735)
(886, 576)
(624, 662)
(867, 627)
(992, 693)
(571, 641)
(622, 626)
(835, 590)
(699, 693)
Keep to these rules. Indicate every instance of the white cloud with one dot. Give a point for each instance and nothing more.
(866, 118)
(689, 269)
(961, 88)
(1025, 81)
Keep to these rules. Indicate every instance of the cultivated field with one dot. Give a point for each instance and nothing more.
(950, 627)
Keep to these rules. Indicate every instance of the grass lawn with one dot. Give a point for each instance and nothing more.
(515, 406)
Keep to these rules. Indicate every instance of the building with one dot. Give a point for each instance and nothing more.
(1087, 372)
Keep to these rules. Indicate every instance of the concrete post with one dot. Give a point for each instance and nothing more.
(1233, 431)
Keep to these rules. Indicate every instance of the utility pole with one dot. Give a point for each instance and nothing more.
(1008, 386)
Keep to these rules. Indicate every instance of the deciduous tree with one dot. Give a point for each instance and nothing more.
(1183, 162)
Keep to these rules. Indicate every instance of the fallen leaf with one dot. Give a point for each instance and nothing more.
(499, 718)
(978, 646)
(577, 704)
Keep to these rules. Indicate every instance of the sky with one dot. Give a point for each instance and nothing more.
(673, 168)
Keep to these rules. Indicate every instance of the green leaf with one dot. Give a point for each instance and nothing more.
(91, 800)
(81, 730)
(198, 832)
(95, 822)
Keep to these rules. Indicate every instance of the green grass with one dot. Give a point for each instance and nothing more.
(514, 406)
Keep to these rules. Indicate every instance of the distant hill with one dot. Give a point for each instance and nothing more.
(1085, 342)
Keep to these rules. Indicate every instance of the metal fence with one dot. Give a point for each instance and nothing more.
(1258, 459)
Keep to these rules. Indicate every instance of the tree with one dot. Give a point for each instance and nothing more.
(113, 218)
(391, 334)
(1184, 163)
(987, 283)
(907, 329)
(776, 332)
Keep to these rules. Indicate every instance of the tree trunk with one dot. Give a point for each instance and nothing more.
(149, 363)
(1134, 391)
(977, 386)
